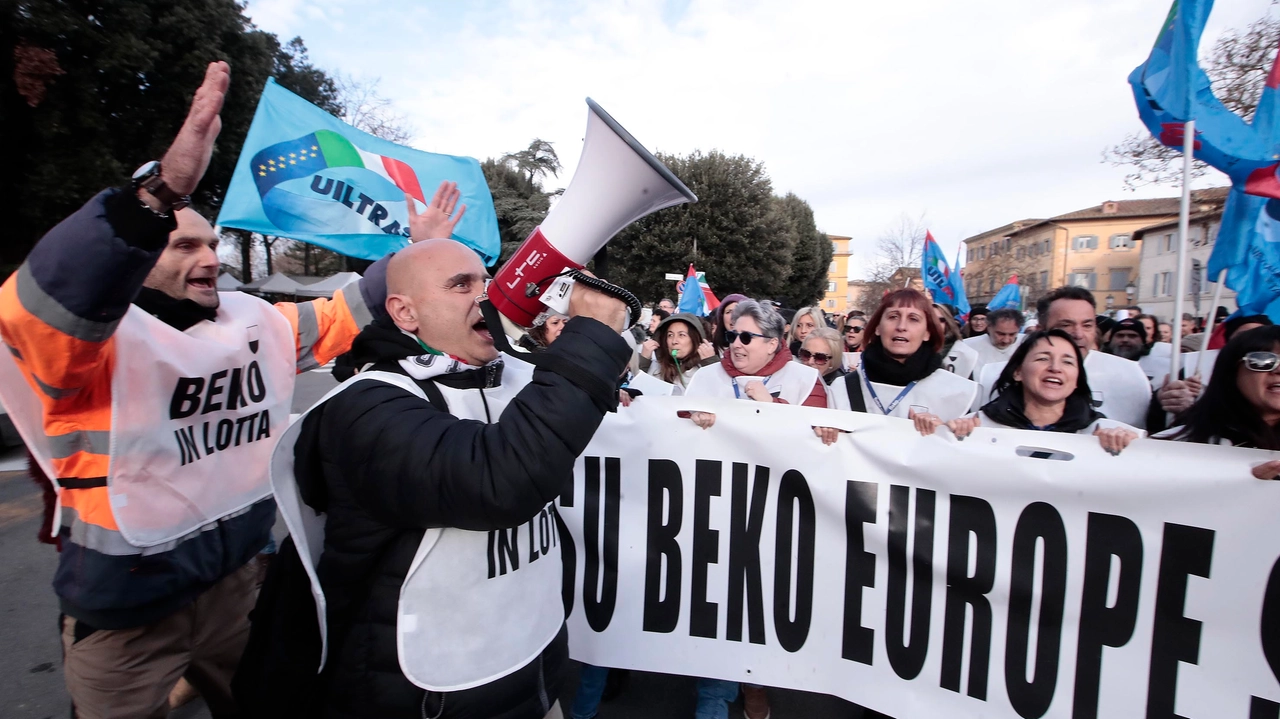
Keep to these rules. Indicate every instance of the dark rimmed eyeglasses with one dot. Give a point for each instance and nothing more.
(806, 355)
(745, 336)
(854, 328)
(1261, 361)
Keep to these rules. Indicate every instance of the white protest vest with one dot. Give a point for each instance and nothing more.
(989, 353)
(960, 360)
(942, 393)
(792, 383)
(1120, 388)
(456, 626)
(194, 416)
(1103, 423)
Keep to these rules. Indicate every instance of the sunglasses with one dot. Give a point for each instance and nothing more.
(806, 355)
(745, 336)
(855, 329)
(1261, 361)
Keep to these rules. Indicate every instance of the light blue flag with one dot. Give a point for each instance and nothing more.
(1170, 88)
(1009, 296)
(940, 280)
(306, 175)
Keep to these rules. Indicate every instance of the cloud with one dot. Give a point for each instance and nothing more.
(974, 113)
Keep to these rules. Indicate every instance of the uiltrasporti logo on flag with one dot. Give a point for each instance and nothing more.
(306, 175)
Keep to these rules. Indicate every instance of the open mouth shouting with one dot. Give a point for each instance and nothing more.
(482, 329)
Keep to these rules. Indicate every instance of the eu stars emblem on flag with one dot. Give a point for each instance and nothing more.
(287, 161)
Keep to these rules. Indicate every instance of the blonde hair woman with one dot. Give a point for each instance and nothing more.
(806, 320)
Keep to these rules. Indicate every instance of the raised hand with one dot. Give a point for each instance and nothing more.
(439, 219)
(186, 160)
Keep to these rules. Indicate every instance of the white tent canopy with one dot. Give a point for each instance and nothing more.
(329, 285)
(278, 283)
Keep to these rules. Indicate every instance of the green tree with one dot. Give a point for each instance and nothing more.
(518, 198)
(742, 243)
(89, 90)
(811, 256)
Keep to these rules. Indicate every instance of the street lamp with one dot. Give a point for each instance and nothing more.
(1131, 290)
(1110, 302)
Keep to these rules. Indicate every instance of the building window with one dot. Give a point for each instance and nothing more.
(835, 247)
(1021, 253)
(1168, 243)
(1044, 279)
(831, 287)
(1048, 247)
(831, 304)
(1121, 242)
(1163, 284)
(832, 268)
(991, 284)
(1081, 243)
(1119, 278)
(1087, 279)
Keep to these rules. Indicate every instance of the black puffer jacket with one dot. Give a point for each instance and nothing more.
(385, 465)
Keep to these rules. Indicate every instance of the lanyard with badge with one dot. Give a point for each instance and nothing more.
(896, 400)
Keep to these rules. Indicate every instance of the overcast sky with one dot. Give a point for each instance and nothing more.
(972, 114)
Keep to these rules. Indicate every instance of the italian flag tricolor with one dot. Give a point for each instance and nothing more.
(339, 152)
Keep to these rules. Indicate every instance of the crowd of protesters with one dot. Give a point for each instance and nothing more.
(429, 437)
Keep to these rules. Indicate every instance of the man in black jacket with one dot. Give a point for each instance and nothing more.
(437, 604)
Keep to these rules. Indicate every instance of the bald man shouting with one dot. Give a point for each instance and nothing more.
(436, 468)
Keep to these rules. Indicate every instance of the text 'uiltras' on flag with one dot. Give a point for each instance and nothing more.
(319, 180)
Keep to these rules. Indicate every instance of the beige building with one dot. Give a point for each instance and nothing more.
(836, 300)
(1095, 248)
(1158, 269)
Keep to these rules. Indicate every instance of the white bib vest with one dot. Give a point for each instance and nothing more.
(792, 383)
(989, 353)
(474, 606)
(942, 393)
(960, 360)
(194, 416)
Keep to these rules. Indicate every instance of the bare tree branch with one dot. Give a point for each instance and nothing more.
(1237, 68)
(365, 109)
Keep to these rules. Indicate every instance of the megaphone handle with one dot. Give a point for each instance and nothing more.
(603, 394)
(621, 293)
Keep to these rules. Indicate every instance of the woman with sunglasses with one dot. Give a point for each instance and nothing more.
(1044, 387)
(722, 317)
(1241, 405)
(901, 373)
(821, 351)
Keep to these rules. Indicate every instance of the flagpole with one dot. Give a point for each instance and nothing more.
(1208, 326)
(1184, 222)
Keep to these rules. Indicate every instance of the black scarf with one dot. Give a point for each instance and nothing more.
(1009, 409)
(383, 345)
(178, 314)
(879, 367)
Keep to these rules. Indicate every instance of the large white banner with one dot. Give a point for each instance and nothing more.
(1014, 574)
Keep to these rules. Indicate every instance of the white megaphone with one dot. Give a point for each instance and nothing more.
(617, 182)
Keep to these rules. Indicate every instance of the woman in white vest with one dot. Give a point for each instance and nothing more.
(682, 350)
(901, 373)
(1044, 387)
(757, 366)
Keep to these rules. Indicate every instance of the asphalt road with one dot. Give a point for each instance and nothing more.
(31, 658)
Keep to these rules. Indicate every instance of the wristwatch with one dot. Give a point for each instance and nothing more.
(148, 178)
